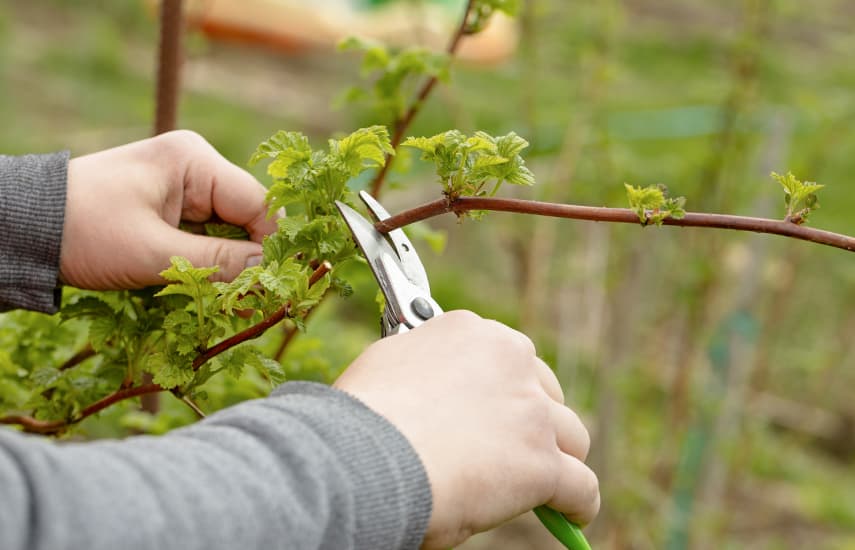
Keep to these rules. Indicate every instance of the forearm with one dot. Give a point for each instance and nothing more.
(32, 207)
(310, 469)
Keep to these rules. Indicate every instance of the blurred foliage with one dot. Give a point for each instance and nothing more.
(708, 433)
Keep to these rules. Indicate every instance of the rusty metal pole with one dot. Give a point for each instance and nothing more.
(169, 58)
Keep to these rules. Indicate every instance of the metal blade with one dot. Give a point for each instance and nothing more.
(410, 263)
(369, 240)
(406, 303)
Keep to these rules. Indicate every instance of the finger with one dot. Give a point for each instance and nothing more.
(571, 434)
(549, 381)
(213, 185)
(577, 495)
(230, 256)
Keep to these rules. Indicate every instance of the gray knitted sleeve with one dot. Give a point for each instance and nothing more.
(32, 211)
(308, 469)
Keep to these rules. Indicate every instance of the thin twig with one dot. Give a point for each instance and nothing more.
(619, 215)
(192, 404)
(257, 329)
(117, 396)
(402, 123)
(33, 425)
(78, 357)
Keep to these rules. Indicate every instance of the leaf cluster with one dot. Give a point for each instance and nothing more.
(799, 197)
(474, 166)
(482, 10)
(35, 372)
(391, 75)
(307, 183)
(165, 331)
(653, 205)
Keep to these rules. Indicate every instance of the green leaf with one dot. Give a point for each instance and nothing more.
(187, 280)
(364, 148)
(476, 165)
(652, 205)
(101, 330)
(226, 231)
(799, 197)
(235, 360)
(88, 307)
(392, 75)
(425, 144)
(169, 372)
(510, 7)
(230, 295)
(285, 147)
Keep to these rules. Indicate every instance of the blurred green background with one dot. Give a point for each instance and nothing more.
(715, 370)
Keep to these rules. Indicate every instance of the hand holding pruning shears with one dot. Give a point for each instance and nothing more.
(536, 454)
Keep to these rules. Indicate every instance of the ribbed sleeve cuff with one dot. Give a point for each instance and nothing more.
(32, 212)
(390, 485)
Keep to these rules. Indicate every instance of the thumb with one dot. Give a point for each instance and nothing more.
(230, 256)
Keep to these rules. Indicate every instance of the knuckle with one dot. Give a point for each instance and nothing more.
(180, 139)
(177, 148)
(516, 342)
(463, 316)
(526, 344)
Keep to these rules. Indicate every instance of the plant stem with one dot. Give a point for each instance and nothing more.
(192, 404)
(169, 56)
(402, 123)
(33, 425)
(115, 397)
(257, 329)
(85, 353)
(618, 215)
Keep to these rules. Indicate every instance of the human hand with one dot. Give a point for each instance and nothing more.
(487, 418)
(124, 204)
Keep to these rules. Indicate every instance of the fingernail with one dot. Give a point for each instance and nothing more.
(253, 261)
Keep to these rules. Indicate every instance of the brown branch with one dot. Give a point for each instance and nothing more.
(115, 397)
(169, 54)
(32, 425)
(78, 357)
(402, 123)
(619, 215)
(257, 329)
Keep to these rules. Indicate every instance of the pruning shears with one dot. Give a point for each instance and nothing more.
(403, 281)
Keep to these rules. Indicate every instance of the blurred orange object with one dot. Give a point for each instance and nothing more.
(296, 25)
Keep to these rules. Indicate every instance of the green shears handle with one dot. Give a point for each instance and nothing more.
(569, 534)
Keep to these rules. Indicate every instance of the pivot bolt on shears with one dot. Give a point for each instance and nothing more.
(403, 281)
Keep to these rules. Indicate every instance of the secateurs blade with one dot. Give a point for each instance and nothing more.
(396, 267)
(402, 279)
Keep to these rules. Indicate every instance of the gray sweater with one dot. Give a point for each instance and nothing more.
(307, 468)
